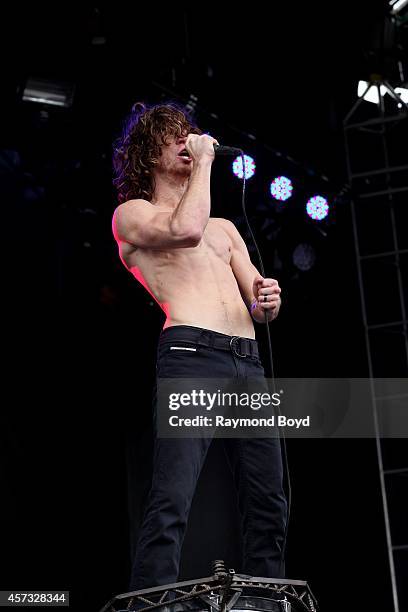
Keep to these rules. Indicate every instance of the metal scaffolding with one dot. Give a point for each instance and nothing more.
(222, 592)
(376, 139)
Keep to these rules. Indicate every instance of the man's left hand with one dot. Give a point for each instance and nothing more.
(267, 293)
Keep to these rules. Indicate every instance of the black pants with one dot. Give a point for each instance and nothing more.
(256, 466)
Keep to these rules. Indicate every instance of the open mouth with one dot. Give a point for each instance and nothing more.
(184, 154)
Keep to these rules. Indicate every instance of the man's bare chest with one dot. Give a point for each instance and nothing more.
(214, 246)
(216, 243)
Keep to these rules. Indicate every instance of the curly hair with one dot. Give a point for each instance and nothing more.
(137, 150)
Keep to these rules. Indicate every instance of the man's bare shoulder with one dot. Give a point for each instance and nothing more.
(225, 224)
(126, 212)
(130, 205)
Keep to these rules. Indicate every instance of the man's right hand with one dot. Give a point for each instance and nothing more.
(201, 147)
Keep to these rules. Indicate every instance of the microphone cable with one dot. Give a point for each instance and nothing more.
(268, 335)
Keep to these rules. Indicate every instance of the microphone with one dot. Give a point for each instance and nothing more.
(221, 150)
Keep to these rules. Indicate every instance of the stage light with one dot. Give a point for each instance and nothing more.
(317, 208)
(281, 188)
(369, 91)
(304, 256)
(49, 93)
(249, 167)
(191, 105)
(402, 92)
(397, 5)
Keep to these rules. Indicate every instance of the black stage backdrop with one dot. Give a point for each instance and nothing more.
(80, 335)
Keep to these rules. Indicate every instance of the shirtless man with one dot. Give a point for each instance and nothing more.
(199, 271)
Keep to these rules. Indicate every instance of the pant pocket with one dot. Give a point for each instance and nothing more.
(177, 360)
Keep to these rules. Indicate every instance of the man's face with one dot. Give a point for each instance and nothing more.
(172, 161)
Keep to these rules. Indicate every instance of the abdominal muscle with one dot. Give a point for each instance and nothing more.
(194, 286)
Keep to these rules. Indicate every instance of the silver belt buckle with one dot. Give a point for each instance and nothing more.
(233, 349)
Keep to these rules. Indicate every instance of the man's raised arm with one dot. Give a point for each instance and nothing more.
(144, 225)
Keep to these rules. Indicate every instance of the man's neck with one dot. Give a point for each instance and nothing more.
(169, 191)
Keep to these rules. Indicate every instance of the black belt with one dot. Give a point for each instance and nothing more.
(242, 347)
